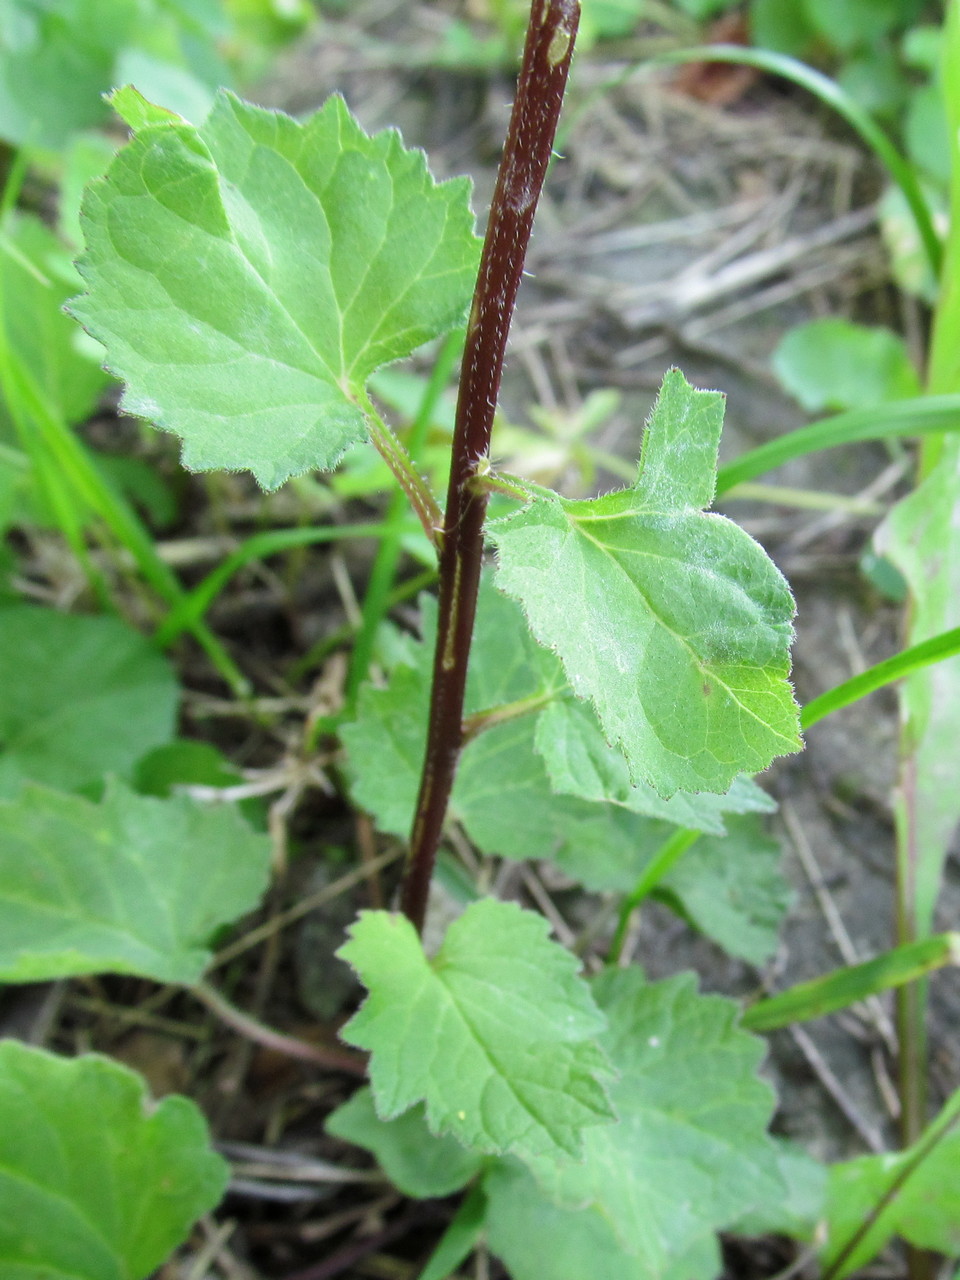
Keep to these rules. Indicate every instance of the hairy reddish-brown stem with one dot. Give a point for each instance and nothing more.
(546, 60)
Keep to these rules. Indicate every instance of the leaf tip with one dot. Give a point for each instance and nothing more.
(136, 111)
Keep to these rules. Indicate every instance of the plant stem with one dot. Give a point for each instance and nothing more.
(318, 1055)
(533, 123)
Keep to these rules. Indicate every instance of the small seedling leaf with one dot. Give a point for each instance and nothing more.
(496, 1033)
(247, 276)
(96, 1181)
(132, 885)
(673, 622)
(82, 697)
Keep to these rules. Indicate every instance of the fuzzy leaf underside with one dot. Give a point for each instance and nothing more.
(248, 275)
(131, 885)
(96, 1182)
(496, 1033)
(671, 621)
(680, 1164)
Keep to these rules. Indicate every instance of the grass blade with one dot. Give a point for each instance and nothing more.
(847, 986)
(922, 415)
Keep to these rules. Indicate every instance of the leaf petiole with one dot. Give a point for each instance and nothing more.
(405, 473)
(474, 725)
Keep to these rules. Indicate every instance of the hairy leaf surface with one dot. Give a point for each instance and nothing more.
(496, 1033)
(96, 1181)
(673, 622)
(248, 276)
(132, 885)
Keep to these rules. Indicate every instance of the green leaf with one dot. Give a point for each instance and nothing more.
(580, 762)
(132, 885)
(55, 61)
(785, 28)
(538, 1240)
(36, 278)
(248, 276)
(799, 1211)
(82, 697)
(681, 1163)
(508, 805)
(875, 80)
(674, 623)
(834, 364)
(496, 1034)
(58, 59)
(849, 23)
(137, 112)
(386, 744)
(909, 261)
(609, 19)
(926, 132)
(921, 536)
(914, 1194)
(185, 761)
(415, 1161)
(702, 10)
(96, 1181)
(732, 889)
(387, 740)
